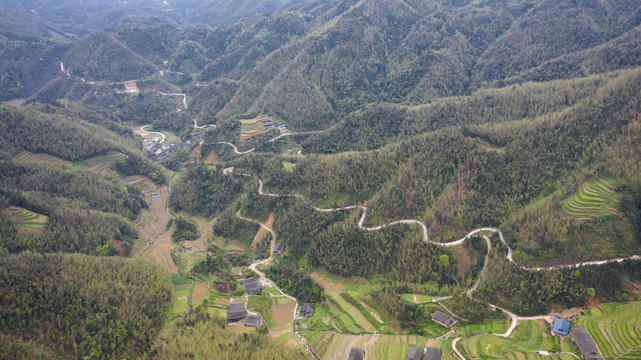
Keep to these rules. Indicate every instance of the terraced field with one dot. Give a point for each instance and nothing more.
(394, 346)
(103, 163)
(41, 159)
(616, 329)
(252, 127)
(525, 344)
(593, 199)
(28, 220)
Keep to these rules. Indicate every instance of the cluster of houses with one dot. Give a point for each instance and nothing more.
(237, 311)
(160, 153)
(269, 123)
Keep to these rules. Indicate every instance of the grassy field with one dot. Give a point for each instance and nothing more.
(616, 329)
(182, 297)
(262, 304)
(395, 346)
(28, 220)
(593, 199)
(252, 127)
(528, 339)
(416, 298)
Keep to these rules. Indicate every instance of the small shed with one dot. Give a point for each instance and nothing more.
(432, 354)
(308, 310)
(586, 345)
(561, 327)
(252, 320)
(414, 353)
(356, 354)
(279, 249)
(442, 318)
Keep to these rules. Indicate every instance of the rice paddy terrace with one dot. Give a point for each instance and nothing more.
(594, 198)
(252, 127)
(28, 220)
(103, 163)
(616, 329)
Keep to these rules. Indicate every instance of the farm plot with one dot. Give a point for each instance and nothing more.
(354, 313)
(282, 313)
(394, 346)
(41, 159)
(524, 345)
(616, 329)
(28, 220)
(252, 127)
(593, 199)
(103, 164)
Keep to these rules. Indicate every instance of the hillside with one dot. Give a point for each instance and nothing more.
(318, 175)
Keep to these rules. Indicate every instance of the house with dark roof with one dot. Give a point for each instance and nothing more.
(432, 354)
(279, 249)
(561, 327)
(252, 320)
(356, 354)
(252, 286)
(236, 315)
(586, 345)
(442, 318)
(414, 353)
(307, 310)
(281, 127)
(236, 306)
(267, 123)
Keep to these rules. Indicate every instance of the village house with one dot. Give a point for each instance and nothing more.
(252, 286)
(356, 354)
(561, 327)
(432, 354)
(237, 311)
(414, 353)
(586, 345)
(308, 310)
(267, 123)
(442, 318)
(282, 128)
(279, 248)
(252, 320)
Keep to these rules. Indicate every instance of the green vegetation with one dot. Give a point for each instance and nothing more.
(593, 199)
(615, 329)
(185, 336)
(28, 220)
(185, 230)
(527, 339)
(54, 305)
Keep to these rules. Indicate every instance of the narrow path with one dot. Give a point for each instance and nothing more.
(455, 349)
(268, 141)
(164, 138)
(266, 280)
(176, 94)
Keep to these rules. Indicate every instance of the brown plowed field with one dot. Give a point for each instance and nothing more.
(262, 232)
(199, 291)
(282, 314)
(326, 284)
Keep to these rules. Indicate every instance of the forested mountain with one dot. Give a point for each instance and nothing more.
(384, 115)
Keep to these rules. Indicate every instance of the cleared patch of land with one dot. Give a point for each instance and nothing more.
(28, 220)
(616, 329)
(282, 314)
(262, 232)
(594, 198)
(326, 284)
(199, 291)
(41, 159)
(252, 127)
(103, 164)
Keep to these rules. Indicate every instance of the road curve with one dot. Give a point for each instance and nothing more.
(510, 252)
(142, 128)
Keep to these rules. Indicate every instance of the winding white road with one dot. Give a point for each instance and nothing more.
(164, 138)
(268, 141)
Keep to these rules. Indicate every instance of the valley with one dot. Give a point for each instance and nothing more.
(320, 179)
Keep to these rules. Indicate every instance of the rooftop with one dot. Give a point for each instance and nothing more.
(252, 320)
(586, 344)
(356, 354)
(432, 354)
(561, 326)
(414, 353)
